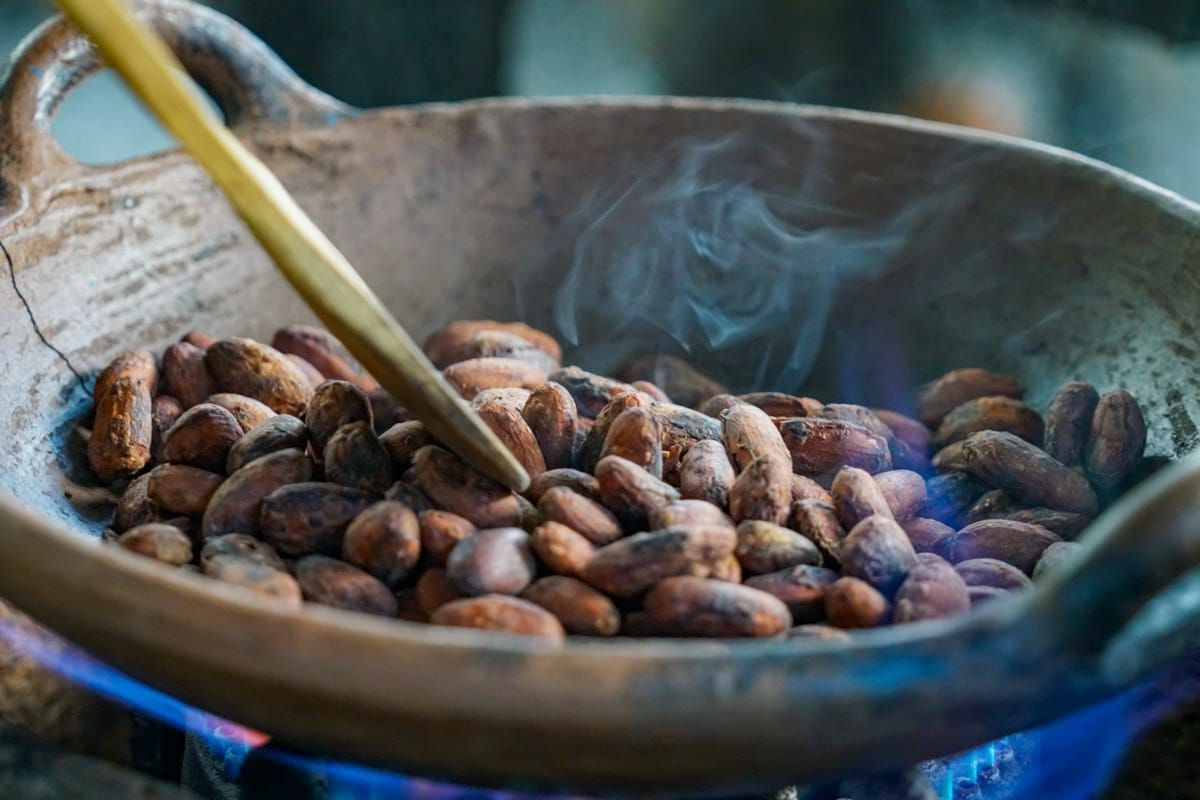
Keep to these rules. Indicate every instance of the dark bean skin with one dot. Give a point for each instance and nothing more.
(990, 414)
(493, 561)
(236, 506)
(355, 457)
(688, 606)
(202, 438)
(385, 541)
(311, 517)
(578, 481)
(184, 375)
(135, 506)
(321, 349)
(764, 547)
(1069, 420)
(706, 473)
(635, 435)
(688, 512)
(823, 446)
(630, 492)
(818, 522)
(551, 414)
(992, 572)
(454, 486)
(1026, 473)
(281, 432)
(925, 533)
(1115, 444)
(335, 583)
(949, 496)
(434, 590)
(940, 397)
(181, 489)
(801, 588)
(123, 432)
(932, 590)
(763, 490)
(1016, 543)
(403, 440)
(332, 405)
(1066, 524)
(592, 448)
(879, 552)
(631, 565)
(749, 434)
(255, 370)
(249, 413)
(777, 404)
(258, 577)
(137, 365)
(591, 392)
(904, 491)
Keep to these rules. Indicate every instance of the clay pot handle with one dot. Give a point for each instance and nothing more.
(249, 83)
(1131, 555)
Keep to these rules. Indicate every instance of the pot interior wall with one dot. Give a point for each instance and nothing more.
(958, 251)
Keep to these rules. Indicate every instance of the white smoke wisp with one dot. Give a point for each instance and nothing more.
(725, 252)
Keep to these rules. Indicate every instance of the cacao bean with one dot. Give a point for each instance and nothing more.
(434, 590)
(281, 432)
(335, 583)
(580, 608)
(471, 377)
(248, 412)
(823, 446)
(679, 379)
(750, 434)
(949, 496)
(1026, 473)
(932, 590)
(801, 588)
(137, 365)
(1066, 524)
(384, 540)
(551, 416)
(492, 561)
(654, 391)
(1055, 558)
(561, 549)
(939, 398)
(122, 433)
(763, 547)
(856, 496)
(990, 414)
(991, 505)
(332, 405)
(805, 488)
(445, 345)
(321, 349)
(455, 487)
(135, 506)
(164, 412)
(592, 448)
(311, 373)
(853, 603)
(591, 392)
(239, 545)
(181, 489)
(501, 344)
(237, 504)
(184, 375)
(763, 490)
(252, 369)
(631, 565)
(630, 492)
(906, 429)
(202, 438)
(514, 433)
(706, 474)
(778, 404)
(925, 533)
(500, 613)
(304, 518)
(1016, 543)
(878, 551)
(950, 458)
(904, 491)
(1115, 443)
(588, 518)
(440, 531)
(257, 577)
(164, 543)
(1069, 420)
(573, 479)
(689, 606)
(688, 512)
(355, 457)
(818, 522)
(713, 406)
(992, 572)
(408, 494)
(402, 440)
(635, 436)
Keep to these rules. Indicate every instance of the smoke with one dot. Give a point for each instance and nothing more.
(730, 253)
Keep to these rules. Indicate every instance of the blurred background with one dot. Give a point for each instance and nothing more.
(1115, 79)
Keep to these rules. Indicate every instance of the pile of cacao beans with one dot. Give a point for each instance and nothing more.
(660, 504)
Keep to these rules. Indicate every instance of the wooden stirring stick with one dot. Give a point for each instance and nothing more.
(320, 273)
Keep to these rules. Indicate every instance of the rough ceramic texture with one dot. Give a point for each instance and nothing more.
(1045, 265)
